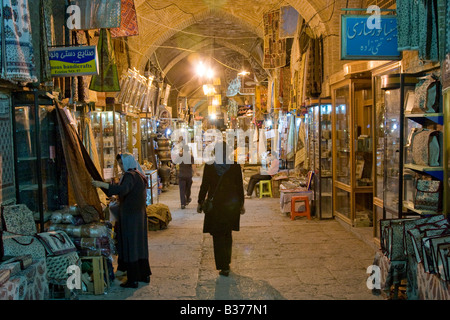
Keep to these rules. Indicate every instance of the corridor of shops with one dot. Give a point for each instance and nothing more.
(274, 258)
(335, 166)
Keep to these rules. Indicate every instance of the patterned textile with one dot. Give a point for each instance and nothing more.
(19, 219)
(7, 190)
(408, 20)
(57, 267)
(56, 242)
(128, 25)
(384, 264)
(16, 245)
(274, 47)
(17, 53)
(418, 27)
(430, 287)
(108, 78)
(29, 284)
(313, 72)
(39, 36)
(54, 13)
(97, 14)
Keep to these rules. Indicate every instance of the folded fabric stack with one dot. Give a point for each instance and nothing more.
(92, 239)
(158, 216)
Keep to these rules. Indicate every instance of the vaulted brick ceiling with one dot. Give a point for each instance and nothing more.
(173, 35)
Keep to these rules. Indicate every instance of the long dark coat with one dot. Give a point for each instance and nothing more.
(228, 199)
(132, 234)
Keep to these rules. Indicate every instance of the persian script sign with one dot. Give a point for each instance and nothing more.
(73, 61)
(361, 42)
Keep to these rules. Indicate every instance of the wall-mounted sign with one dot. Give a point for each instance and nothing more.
(73, 61)
(361, 40)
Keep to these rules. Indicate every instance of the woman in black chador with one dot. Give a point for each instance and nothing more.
(228, 205)
(131, 226)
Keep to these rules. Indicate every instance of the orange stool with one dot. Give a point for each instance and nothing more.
(306, 213)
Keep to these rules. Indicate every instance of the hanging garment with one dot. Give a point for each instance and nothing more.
(108, 78)
(290, 150)
(428, 32)
(17, 47)
(407, 25)
(81, 170)
(418, 27)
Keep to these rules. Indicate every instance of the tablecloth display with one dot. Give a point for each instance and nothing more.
(28, 284)
(430, 286)
(286, 196)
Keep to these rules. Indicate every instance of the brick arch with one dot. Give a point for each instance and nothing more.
(312, 11)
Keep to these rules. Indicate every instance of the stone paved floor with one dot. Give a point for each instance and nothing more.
(273, 258)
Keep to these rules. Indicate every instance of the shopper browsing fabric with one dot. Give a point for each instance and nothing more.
(223, 183)
(185, 173)
(131, 226)
(265, 173)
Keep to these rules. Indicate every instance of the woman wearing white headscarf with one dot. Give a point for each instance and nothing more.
(131, 227)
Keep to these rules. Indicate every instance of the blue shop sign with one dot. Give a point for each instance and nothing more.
(73, 61)
(360, 40)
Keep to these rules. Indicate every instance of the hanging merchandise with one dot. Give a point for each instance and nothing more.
(313, 72)
(285, 87)
(274, 47)
(81, 170)
(107, 80)
(89, 143)
(96, 14)
(291, 141)
(418, 27)
(288, 22)
(300, 153)
(18, 64)
(128, 24)
(54, 21)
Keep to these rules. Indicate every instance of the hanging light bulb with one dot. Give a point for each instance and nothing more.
(201, 69)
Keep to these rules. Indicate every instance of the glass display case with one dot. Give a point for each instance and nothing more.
(152, 187)
(352, 150)
(38, 171)
(103, 127)
(319, 111)
(435, 166)
(134, 135)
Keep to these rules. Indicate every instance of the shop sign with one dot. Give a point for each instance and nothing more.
(243, 110)
(361, 40)
(73, 61)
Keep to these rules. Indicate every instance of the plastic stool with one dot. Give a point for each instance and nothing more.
(268, 184)
(306, 213)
